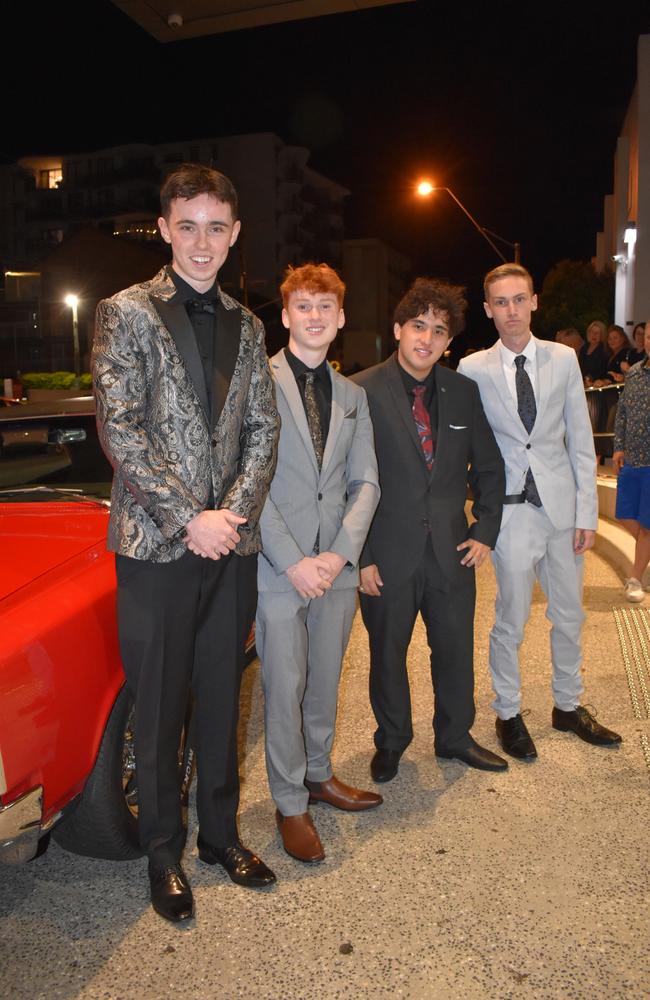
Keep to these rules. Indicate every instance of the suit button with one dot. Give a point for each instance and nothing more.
(320, 496)
(425, 522)
(527, 446)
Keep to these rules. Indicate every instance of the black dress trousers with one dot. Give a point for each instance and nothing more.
(182, 627)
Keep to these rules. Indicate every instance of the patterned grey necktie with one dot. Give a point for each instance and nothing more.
(313, 417)
(527, 409)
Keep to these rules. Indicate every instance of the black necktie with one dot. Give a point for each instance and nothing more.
(527, 409)
(201, 305)
(313, 416)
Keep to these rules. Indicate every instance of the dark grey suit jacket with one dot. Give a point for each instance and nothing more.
(415, 501)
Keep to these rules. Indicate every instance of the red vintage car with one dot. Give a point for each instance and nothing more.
(66, 731)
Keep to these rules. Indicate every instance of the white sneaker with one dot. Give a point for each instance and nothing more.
(634, 591)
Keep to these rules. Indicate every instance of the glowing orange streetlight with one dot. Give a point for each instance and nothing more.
(426, 188)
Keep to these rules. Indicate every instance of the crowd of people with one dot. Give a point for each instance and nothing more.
(605, 355)
(248, 485)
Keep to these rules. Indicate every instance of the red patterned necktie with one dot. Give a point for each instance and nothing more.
(423, 424)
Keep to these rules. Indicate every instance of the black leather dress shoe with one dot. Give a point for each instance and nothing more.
(171, 896)
(476, 756)
(384, 765)
(243, 867)
(515, 738)
(582, 723)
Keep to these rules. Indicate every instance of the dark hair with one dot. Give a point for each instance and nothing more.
(192, 179)
(431, 293)
(312, 278)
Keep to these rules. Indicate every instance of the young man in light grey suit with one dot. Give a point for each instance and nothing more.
(314, 523)
(534, 400)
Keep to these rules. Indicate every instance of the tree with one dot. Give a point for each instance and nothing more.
(574, 294)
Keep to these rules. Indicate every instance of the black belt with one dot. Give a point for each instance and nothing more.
(515, 498)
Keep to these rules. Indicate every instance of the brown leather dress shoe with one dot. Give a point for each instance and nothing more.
(341, 796)
(300, 837)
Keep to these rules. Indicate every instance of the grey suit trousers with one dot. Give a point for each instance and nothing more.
(301, 644)
(530, 548)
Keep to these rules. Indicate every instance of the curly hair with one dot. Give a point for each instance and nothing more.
(193, 179)
(439, 296)
(312, 278)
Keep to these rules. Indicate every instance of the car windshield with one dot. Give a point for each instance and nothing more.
(49, 455)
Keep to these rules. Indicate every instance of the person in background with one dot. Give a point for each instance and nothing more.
(631, 458)
(571, 338)
(619, 355)
(639, 352)
(594, 354)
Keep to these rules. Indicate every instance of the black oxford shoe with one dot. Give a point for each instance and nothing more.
(243, 867)
(583, 724)
(384, 765)
(476, 756)
(515, 738)
(171, 896)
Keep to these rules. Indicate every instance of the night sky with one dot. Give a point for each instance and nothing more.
(516, 107)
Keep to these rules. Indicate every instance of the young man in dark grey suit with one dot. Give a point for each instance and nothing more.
(314, 523)
(186, 414)
(431, 439)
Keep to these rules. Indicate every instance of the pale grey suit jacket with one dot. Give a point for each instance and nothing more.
(337, 504)
(560, 448)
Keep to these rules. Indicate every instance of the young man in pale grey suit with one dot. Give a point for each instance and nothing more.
(534, 400)
(314, 523)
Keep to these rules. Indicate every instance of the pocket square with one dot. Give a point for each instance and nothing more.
(458, 427)
(352, 415)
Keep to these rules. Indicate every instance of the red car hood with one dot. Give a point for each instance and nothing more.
(36, 537)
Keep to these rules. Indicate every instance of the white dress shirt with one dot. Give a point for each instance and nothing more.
(510, 368)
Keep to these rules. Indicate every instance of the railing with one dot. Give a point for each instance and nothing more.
(602, 403)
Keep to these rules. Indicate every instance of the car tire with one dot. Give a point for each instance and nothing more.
(101, 825)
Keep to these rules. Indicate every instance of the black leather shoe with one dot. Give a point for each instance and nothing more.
(515, 738)
(582, 723)
(243, 867)
(476, 756)
(171, 896)
(385, 764)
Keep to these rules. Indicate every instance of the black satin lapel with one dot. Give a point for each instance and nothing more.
(401, 401)
(226, 351)
(174, 316)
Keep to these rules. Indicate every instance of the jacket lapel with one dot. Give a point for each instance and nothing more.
(226, 352)
(400, 399)
(495, 371)
(336, 416)
(544, 382)
(175, 318)
(287, 383)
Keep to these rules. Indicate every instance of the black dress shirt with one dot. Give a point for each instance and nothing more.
(430, 397)
(322, 388)
(203, 323)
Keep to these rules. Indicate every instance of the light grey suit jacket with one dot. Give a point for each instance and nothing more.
(338, 502)
(560, 448)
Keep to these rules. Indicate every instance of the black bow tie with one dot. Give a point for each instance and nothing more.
(201, 305)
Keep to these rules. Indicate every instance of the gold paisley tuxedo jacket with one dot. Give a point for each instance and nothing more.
(169, 454)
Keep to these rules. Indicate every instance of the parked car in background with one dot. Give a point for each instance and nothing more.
(67, 762)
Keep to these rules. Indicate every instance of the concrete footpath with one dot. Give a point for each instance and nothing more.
(462, 886)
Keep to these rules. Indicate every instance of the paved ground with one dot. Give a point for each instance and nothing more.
(462, 886)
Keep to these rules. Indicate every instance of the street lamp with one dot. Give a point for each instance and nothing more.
(73, 302)
(426, 188)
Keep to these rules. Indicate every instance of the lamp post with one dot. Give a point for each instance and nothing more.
(426, 188)
(73, 302)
